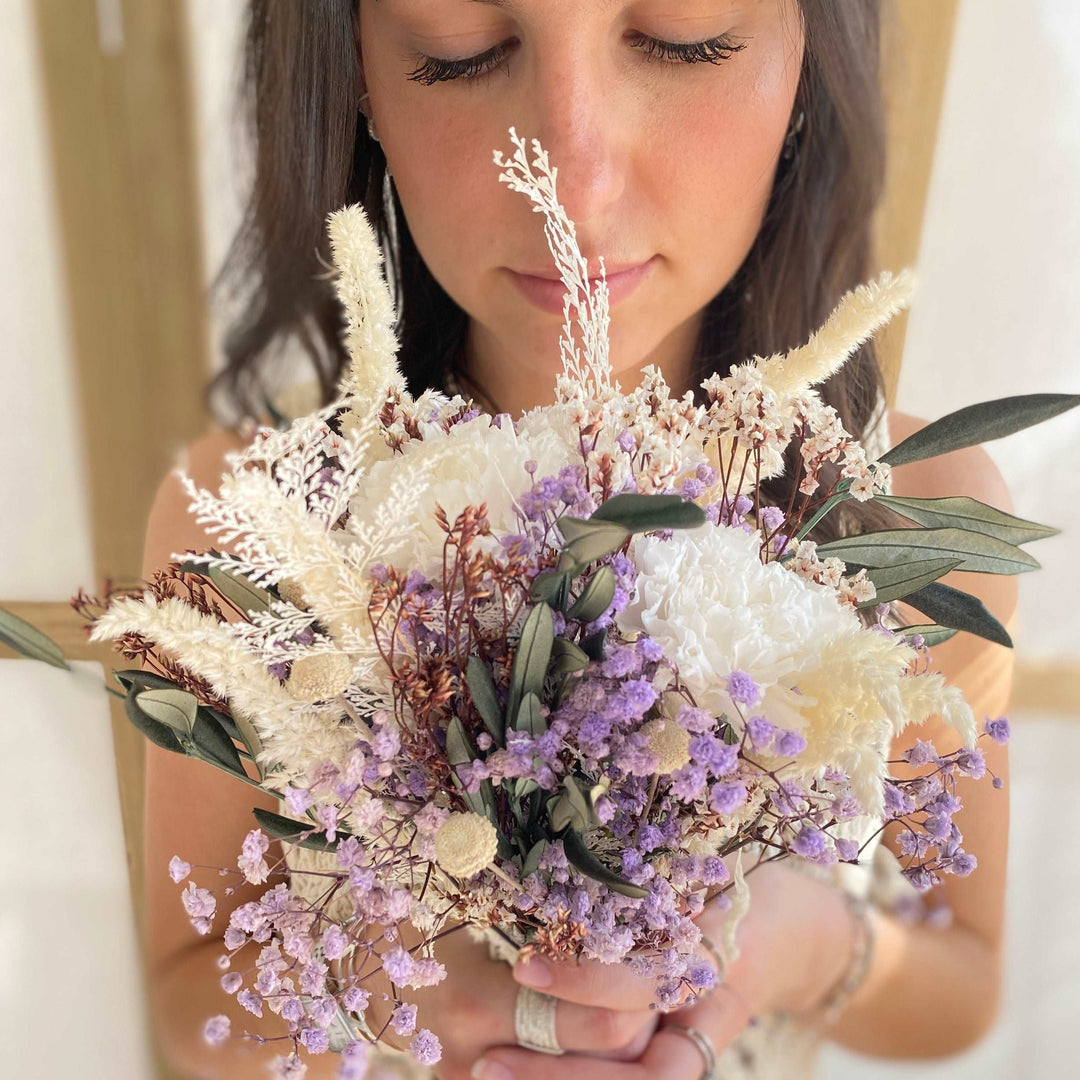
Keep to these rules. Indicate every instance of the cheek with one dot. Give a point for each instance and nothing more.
(445, 177)
(721, 156)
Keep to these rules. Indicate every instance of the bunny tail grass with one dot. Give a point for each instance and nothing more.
(369, 310)
(860, 313)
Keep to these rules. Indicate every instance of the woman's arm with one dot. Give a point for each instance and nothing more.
(934, 992)
(202, 815)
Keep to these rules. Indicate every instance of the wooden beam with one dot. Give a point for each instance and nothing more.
(119, 122)
(119, 116)
(916, 43)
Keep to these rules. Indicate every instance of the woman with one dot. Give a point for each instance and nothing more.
(727, 154)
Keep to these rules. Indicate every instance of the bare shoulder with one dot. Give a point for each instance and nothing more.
(970, 471)
(169, 528)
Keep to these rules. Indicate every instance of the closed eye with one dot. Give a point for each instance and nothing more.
(433, 69)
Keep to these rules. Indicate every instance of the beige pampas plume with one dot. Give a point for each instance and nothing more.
(369, 310)
(860, 313)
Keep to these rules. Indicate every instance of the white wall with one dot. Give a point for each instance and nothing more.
(999, 308)
(45, 545)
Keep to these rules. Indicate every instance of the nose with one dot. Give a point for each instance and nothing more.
(576, 116)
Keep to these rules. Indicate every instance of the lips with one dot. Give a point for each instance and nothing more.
(547, 293)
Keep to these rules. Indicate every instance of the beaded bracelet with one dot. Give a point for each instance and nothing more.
(836, 1000)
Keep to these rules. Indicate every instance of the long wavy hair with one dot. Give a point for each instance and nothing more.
(313, 154)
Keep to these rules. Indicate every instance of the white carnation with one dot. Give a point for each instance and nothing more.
(475, 463)
(712, 605)
(705, 597)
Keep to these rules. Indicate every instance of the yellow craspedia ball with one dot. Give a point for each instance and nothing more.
(670, 741)
(319, 677)
(465, 844)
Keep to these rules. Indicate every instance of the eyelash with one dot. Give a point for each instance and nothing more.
(715, 50)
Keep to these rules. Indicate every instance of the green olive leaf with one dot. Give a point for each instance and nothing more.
(29, 641)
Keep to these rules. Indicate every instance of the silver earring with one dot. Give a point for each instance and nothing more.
(791, 139)
(370, 125)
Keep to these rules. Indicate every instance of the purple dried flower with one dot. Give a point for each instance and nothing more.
(688, 783)
(848, 850)
(649, 649)
(398, 965)
(355, 999)
(742, 689)
(726, 797)
(922, 753)
(760, 730)
(200, 905)
(713, 870)
(809, 842)
(897, 801)
(251, 861)
(719, 758)
(789, 744)
(404, 1019)
(772, 517)
(334, 942)
(250, 1001)
(298, 800)
(963, 864)
(315, 1040)
(971, 762)
(998, 730)
(232, 982)
(178, 869)
(216, 1030)
(938, 826)
(292, 1009)
(426, 1047)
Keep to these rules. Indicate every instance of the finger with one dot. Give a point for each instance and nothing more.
(722, 1017)
(609, 1031)
(485, 1006)
(505, 1063)
(669, 1056)
(588, 982)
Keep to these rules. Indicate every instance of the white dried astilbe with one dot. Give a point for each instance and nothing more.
(588, 375)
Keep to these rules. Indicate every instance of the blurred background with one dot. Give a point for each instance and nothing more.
(121, 181)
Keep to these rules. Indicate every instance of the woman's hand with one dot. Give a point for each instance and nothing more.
(603, 1009)
(794, 944)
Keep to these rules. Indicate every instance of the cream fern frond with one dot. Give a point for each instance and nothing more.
(369, 310)
(860, 313)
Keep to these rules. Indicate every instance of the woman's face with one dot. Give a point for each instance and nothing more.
(659, 158)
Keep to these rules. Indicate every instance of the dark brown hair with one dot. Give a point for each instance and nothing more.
(313, 155)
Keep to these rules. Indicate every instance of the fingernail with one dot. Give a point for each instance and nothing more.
(533, 973)
(484, 1069)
